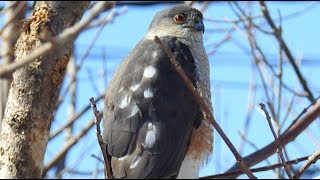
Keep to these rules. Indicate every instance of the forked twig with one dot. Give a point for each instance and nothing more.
(203, 105)
(107, 167)
(285, 48)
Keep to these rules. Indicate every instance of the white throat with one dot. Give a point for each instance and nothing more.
(188, 37)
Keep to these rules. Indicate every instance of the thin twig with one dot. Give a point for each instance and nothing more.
(84, 151)
(311, 160)
(301, 113)
(72, 111)
(71, 142)
(204, 6)
(279, 147)
(277, 115)
(73, 118)
(257, 47)
(108, 170)
(278, 36)
(226, 38)
(96, 157)
(108, 18)
(204, 106)
(17, 10)
(82, 173)
(250, 107)
(264, 168)
(232, 21)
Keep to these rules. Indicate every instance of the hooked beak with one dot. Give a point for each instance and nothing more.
(199, 26)
(195, 24)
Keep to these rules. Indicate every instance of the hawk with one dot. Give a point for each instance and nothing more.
(153, 126)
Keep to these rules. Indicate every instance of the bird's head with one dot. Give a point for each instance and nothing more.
(180, 21)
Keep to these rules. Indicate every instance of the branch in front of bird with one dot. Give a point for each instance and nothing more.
(203, 105)
(107, 167)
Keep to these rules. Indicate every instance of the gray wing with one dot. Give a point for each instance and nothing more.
(149, 113)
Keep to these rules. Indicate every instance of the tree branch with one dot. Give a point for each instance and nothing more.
(279, 147)
(34, 90)
(66, 36)
(283, 45)
(71, 142)
(264, 168)
(107, 167)
(73, 118)
(311, 160)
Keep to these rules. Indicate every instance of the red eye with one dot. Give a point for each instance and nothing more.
(179, 18)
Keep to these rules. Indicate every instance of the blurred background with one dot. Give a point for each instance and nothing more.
(250, 62)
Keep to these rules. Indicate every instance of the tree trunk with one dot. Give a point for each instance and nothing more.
(34, 90)
(9, 38)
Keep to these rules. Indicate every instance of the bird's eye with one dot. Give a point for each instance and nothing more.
(179, 18)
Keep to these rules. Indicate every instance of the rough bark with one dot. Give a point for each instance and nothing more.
(34, 90)
(9, 37)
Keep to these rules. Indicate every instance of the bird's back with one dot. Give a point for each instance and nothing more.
(149, 113)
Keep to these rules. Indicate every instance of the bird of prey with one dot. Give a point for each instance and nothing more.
(153, 126)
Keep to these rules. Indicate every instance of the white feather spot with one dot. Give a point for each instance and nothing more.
(135, 87)
(150, 136)
(125, 101)
(149, 72)
(135, 162)
(147, 93)
(122, 158)
(135, 109)
(155, 54)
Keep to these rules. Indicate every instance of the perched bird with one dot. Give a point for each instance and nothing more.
(153, 126)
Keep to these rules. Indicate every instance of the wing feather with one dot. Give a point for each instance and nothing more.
(149, 113)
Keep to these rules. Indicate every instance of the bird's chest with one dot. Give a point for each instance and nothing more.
(200, 145)
(202, 72)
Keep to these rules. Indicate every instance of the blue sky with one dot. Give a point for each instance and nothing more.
(231, 72)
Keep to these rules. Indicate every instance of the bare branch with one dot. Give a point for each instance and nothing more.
(18, 9)
(66, 36)
(204, 6)
(278, 36)
(74, 118)
(264, 168)
(71, 142)
(311, 160)
(108, 170)
(109, 18)
(250, 107)
(279, 147)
